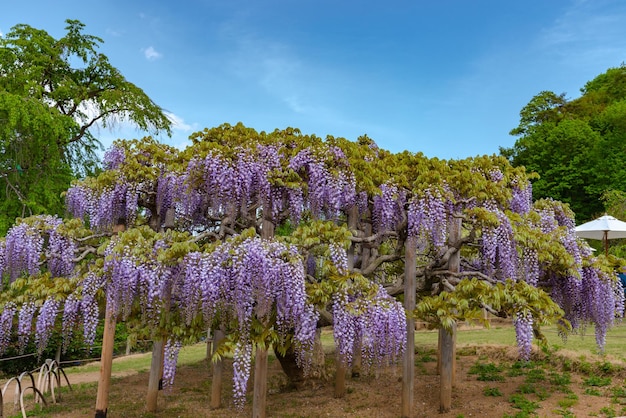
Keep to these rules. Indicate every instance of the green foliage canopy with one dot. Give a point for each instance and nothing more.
(512, 256)
(52, 91)
(576, 146)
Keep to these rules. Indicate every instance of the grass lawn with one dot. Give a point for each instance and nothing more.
(583, 345)
(141, 362)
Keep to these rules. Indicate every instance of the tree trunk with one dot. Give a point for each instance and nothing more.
(365, 250)
(295, 375)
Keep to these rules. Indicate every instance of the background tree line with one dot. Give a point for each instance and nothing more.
(578, 147)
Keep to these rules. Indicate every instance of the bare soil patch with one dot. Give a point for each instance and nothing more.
(379, 395)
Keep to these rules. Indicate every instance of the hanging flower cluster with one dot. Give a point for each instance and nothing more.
(377, 324)
(248, 281)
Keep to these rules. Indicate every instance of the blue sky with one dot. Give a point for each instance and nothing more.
(447, 78)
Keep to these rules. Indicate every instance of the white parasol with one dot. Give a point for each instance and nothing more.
(604, 228)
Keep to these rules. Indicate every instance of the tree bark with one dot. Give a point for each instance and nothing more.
(295, 375)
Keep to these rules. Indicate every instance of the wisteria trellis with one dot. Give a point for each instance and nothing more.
(220, 188)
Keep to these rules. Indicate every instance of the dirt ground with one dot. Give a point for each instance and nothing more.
(377, 395)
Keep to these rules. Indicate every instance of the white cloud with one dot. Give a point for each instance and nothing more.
(113, 32)
(274, 66)
(1, 34)
(152, 54)
(178, 123)
(589, 34)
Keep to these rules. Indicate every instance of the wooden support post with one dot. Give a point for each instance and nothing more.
(156, 373)
(455, 266)
(218, 366)
(57, 356)
(447, 365)
(447, 339)
(260, 383)
(487, 318)
(209, 350)
(340, 376)
(408, 361)
(365, 259)
(259, 402)
(439, 342)
(454, 332)
(353, 224)
(357, 360)
(155, 380)
(106, 362)
(106, 355)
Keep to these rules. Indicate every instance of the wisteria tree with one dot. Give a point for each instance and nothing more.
(270, 235)
(229, 192)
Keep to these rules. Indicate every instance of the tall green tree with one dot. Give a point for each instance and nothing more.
(52, 91)
(576, 146)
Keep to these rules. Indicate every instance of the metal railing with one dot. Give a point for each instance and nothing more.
(48, 382)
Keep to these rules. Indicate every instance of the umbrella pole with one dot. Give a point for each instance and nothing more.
(606, 243)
